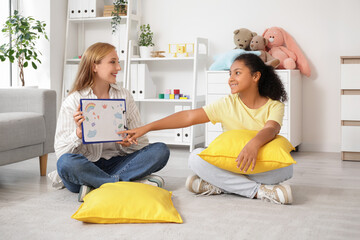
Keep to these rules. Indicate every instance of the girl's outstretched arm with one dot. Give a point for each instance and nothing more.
(177, 120)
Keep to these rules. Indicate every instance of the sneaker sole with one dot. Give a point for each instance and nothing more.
(81, 195)
(289, 193)
(189, 181)
(288, 196)
(159, 182)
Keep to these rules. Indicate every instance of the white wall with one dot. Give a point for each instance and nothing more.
(58, 14)
(324, 30)
(49, 73)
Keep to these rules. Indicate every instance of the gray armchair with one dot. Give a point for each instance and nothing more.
(27, 125)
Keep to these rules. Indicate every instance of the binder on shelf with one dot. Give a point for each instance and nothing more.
(72, 4)
(96, 8)
(70, 71)
(122, 41)
(146, 87)
(85, 8)
(186, 131)
(179, 131)
(119, 40)
(134, 80)
(78, 8)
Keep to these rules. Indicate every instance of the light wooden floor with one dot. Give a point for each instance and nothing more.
(326, 206)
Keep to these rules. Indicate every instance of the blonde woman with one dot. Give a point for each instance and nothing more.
(82, 167)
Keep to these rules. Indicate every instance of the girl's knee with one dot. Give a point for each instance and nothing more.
(195, 160)
(288, 172)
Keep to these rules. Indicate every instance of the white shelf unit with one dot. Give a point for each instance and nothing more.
(83, 32)
(350, 111)
(217, 87)
(152, 109)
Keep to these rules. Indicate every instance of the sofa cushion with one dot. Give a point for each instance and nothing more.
(19, 129)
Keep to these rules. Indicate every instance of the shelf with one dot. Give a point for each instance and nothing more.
(154, 108)
(162, 59)
(91, 20)
(77, 60)
(164, 100)
(167, 140)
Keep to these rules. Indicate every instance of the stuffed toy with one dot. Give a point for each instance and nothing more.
(258, 43)
(282, 46)
(242, 38)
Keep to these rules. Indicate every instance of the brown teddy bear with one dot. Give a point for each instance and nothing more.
(242, 38)
(258, 43)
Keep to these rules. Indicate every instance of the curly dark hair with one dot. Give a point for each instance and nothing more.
(269, 83)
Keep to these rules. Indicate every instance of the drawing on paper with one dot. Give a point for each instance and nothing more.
(104, 118)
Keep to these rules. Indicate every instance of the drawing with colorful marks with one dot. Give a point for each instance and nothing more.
(104, 119)
(90, 107)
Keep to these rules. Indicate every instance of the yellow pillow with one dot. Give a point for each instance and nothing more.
(127, 202)
(223, 151)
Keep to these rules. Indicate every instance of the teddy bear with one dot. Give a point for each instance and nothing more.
(242, 38)
(282, 46)
(258, 43)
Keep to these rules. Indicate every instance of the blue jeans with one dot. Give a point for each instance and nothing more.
(76, 170)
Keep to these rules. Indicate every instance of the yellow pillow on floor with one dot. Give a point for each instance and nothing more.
(127, 202)
(223, 151)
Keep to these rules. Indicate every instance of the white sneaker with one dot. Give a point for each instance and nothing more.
(279, 194)
(83, 191)
(196, 185)
(153, 180)
(56, 180)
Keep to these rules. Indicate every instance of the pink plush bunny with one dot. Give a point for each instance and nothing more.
(290, 55)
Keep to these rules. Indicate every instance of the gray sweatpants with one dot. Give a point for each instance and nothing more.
(229, 182)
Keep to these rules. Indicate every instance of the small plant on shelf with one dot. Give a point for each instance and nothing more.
(146, 36)
(24, 32)
(145, 41)
(120, 9)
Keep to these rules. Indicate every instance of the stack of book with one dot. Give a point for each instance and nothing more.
(109, 9)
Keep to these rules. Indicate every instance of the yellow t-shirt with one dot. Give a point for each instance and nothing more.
(234, 114)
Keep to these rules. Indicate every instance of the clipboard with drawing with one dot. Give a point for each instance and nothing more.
(104, 118)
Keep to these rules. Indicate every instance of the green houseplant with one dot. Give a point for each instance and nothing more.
(120, 9)
(24, 32)
(145, 41)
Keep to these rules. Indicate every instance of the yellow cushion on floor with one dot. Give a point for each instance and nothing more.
(127, 202)
(223, 151)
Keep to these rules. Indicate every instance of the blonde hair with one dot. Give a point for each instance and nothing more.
(93, 55)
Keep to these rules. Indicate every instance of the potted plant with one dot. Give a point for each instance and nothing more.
(24, 32)
(120, 9)
(145, 41)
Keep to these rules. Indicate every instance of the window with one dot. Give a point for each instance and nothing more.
(6, 67)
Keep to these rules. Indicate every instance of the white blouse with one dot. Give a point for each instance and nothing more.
(66, 140)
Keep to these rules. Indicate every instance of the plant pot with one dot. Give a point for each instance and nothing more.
(145, 52)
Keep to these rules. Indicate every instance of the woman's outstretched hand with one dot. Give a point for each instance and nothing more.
(133, 134)
(124, 143)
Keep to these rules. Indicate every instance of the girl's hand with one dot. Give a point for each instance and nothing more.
(78, 118)
(134, 134)
(247, 157)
